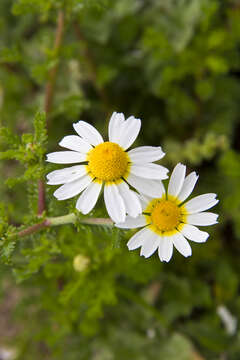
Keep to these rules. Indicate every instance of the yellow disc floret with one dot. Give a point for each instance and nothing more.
(166, 215)
(108, 162)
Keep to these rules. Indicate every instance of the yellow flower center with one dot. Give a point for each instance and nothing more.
(108, 162)
(166, 215)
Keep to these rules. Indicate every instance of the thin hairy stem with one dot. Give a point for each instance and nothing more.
(32, 229)
(62, 220)
(49, 95)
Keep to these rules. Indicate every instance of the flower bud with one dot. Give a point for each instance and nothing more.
(80, 262)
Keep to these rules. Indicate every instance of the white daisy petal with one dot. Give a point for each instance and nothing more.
(193, 233)
(130, 131)
(150, 245)
(66, 175)
(131, 200)
(148, 187)
(115, 127)
(165, 249)
(88, 133)
(201, 203)
(132, 223)
(150, 171)
(146, 154)
(188, 186)
(75, 143)
(114, 203)
(191, 213)
(66, 157)
(73, 188)
(176, 180)
(202, 219)
(138, 239)
(181, 244)
(87, 200)
(145, 200)
(119, 198)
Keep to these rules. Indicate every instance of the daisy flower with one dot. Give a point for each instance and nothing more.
(169, 221)
(109, 165)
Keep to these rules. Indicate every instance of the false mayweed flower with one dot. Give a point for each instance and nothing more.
(109, 164)
(169, 221)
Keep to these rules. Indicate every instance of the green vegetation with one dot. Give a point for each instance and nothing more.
(75, 290)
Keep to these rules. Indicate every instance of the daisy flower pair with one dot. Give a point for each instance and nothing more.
(166, 219)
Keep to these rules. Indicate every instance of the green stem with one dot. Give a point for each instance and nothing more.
(72, 218)
(97, 221)
(62, 220)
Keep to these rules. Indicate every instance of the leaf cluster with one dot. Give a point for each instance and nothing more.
(29, 149)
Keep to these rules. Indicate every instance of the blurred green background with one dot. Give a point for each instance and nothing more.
(176, 65)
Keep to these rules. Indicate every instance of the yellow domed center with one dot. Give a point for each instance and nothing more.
(107, 162)
(166, 215)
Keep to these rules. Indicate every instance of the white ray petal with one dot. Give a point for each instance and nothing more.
(147, 187)
(165, 249)
(115, 127)
(149, 171)
(73, 188)
(131, 200)
(114, 203)
(176, 180)
(66, 175)
(201, 203)
(146, 154)
(66, 157)
(202, 219)
(130, 131)
(188, 186)
(145, 200)
(75, 143)
(132, 223)
(88, 133)
(150, 245)
(193, 233)
(181, 244)
(138, 239)
(87, 200)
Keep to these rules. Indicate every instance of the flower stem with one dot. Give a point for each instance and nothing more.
(41, 196)
(31, 229)
(62, 220)
(49, 94)
(72, 218)
(97, 221)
